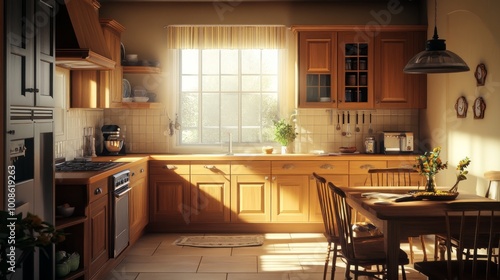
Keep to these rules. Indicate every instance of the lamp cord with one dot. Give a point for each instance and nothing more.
(435, 37)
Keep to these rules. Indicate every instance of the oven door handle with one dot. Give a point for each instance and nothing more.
(122, 193)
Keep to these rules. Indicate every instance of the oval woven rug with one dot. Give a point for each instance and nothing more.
(220, 241)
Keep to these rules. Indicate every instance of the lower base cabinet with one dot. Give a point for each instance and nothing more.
(290, 198)
(99, 234)
(138, 201)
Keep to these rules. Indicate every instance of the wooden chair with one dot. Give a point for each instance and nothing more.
(474, 226)
(331, 232)
(440, 241)
(359, 252)
(397, 177)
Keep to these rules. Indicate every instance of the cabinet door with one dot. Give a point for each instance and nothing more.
(355, 68)
(394, 88)
(138, 208)
(210, 198)
(317, 71)
(169, 200)
(111, 81)
(290, 198)
(250, 198)
(358, 170)
(45, 52)
(99, 234)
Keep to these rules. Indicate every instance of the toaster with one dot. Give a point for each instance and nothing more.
(398, 142)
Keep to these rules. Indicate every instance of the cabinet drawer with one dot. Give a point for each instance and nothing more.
(362, 166)
(308, 167)
(98, 189)
(162, 167)
(138, 171)
(250, 167)
(211, 168)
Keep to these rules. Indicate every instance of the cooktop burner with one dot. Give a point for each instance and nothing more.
(72, 166)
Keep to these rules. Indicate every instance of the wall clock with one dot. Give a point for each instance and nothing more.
(461, 107)
(479, 106)
(480, 74)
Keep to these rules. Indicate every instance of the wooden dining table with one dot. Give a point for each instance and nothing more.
(399, 220)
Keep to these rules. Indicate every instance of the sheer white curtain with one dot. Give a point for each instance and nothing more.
(226, 37)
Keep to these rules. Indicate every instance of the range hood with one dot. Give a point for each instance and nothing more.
(80, 43)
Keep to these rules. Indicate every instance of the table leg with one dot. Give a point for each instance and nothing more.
(392, 242)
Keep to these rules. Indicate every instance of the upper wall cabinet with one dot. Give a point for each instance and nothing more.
(394, 88)
(347, 68)
(30, 48)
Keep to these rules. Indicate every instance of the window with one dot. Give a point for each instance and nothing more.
(226, 91)
(230, 85)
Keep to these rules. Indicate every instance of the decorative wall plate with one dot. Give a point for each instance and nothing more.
(478, 107)
(461, 107)
(480, 74)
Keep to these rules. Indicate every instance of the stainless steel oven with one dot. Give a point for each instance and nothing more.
(119, 211)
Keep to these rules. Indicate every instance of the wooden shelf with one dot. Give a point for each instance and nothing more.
(141, 70)
(74, 275)
(141, 105)
(71, 221)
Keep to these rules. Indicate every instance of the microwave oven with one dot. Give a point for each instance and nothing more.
(398, 142)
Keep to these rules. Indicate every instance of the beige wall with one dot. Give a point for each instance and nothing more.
(472, 31)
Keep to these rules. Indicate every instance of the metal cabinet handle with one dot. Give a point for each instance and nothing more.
(170, 167)
(142, 170)
(366, 166)
(288, 166)
(133, 174)
(32, 90)
(209, 167)
(266, 178)
(97, 191)
(326, 166)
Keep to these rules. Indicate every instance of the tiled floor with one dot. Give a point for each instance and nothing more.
(283, 256)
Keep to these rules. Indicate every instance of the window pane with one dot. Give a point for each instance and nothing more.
(189, 110)
(229, 83)
(210, 63)
(250, 135)
(270, 62)
(229, 108)
(250, 115)
(229, 61)
(189, 136)
(250, 83)
(250, 61)
(189, 83)
(189, 62)
(210, 109)
(270, 83)
(210, 83)
(210, 135)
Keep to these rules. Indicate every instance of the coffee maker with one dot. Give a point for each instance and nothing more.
(109, 133)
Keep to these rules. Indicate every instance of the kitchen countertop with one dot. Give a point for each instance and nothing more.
(88, 177)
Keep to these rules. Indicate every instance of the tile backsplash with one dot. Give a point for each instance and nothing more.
(146, 130)
(317, 128)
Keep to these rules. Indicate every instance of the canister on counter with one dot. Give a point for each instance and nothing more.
(370, 145)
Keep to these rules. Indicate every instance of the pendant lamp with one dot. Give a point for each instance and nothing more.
(435, 58)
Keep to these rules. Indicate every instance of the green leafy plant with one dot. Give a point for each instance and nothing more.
(284, 133)
(462, 173)
(25, 234)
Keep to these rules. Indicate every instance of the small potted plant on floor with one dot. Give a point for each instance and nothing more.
(284, 133)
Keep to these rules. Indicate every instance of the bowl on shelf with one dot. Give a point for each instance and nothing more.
(127, 99)
(62, 269)
(65, 210)
(141, 99)
(349, 150)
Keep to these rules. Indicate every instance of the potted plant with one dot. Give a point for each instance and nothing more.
(25, 234)
(284, 133)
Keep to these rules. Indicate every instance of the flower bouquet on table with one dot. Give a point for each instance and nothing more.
(428, 165)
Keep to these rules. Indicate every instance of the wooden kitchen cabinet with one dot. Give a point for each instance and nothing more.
(394, 88)
(358, 170)
(169, 193)
(250, 191)
(317, 69)
(138, 201)
(355, 70)
(358, 69)
(210, 192)
(98, 223)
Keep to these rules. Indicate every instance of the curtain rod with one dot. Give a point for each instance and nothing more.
(225, 25)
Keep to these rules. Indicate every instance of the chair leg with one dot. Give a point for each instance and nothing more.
(334, 260)
(403, 273)
(422, 241)
(327, 259)
(436, 247)
(410, 241)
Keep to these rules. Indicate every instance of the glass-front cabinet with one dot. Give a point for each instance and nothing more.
(318, 69)
(355, 68)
